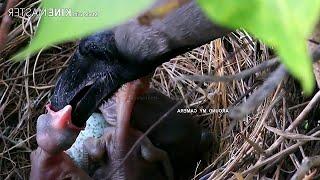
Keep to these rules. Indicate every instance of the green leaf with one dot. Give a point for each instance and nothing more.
(57, 29)
(283, 24)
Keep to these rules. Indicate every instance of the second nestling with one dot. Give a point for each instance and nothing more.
(170, 151)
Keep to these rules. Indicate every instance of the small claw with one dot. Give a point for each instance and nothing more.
(153, 154)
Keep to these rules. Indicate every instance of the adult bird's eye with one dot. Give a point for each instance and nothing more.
(100, 45)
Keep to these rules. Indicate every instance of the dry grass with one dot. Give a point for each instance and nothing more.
(251, 149)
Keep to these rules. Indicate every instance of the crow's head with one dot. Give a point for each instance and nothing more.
(95, 72)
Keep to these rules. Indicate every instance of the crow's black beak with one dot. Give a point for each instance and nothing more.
(83, 85)
(91, 98)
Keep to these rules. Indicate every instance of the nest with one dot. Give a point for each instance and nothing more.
(256, 146)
